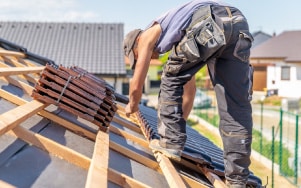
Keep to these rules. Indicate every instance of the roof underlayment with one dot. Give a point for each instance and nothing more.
(44, 145)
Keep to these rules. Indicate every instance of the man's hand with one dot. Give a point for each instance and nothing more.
(129, 109)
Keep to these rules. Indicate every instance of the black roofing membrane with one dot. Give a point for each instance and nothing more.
(32, 167)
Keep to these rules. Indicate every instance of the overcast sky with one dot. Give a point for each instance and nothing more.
(266, 15)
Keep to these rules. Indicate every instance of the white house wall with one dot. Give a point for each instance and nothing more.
(116, 83)
(286, 88)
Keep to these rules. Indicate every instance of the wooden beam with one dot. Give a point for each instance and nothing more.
(124, 180)
(25, 87)
(98, 171)
(71, 156)
(171, 174)
(192, 183)
(51, 146)
(74, 157)
(14, 61)
(127, 124)
(135, 156)
(86, 133)
(129, 136)
(19, 70)
(4, 184)
(11, 53)
(213, 178)
(14, 117)
(22, 76)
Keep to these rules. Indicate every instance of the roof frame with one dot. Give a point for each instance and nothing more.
(94, 166)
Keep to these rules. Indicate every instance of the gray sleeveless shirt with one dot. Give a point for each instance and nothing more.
(174, 22)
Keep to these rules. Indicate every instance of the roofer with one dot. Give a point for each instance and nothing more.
(198, 33)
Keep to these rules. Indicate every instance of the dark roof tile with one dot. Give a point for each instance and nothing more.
(96, 47)
(287, 45)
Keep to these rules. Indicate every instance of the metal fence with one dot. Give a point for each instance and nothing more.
(275, 136)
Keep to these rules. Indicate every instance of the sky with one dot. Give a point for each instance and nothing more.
(269, 16)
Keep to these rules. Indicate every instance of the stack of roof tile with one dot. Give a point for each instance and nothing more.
(78, 92)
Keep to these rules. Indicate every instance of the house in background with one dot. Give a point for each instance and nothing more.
(153, 79)
(260, 37)
(95, 47)
(277, 64)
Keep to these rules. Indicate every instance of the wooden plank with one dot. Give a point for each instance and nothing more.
(70, 155)
(19, 70)
(171, 174)
(213, 178)
(4, 184)
(51, 146)
(124, 180)
(192, 183)
(14, 117)
(98, 170)
(127, 124)
(14, 61)
(11, 53)
(25, 76)
(142, 159)
(86, 133)
(135, 156)
(69, 125)
(129, 136)
(25, 87)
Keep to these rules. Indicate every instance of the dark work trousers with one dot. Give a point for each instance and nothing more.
(232, 76)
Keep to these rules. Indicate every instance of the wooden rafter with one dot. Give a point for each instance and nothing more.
(25, 87)
(11, 53)
(5, 185)
(92, 135)
(213, 178)
(98, 170)
(51, 146)
(173, 177)
(19, 70)
(70, 155)
(14, 117)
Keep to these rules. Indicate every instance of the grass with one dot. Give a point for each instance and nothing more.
(257, 167)
(257, 136)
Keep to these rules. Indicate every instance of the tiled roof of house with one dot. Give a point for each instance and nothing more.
(286, 46)
(42, 145)
(96, 47)
(259, 38)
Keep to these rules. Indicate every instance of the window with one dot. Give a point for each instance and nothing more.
(285, 73)
(298, 73)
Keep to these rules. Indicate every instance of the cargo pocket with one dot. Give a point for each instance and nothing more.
(189, 49)
(210, 38)
(174, 63)
(243, 46)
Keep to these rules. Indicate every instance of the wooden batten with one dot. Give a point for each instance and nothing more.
(98, 170)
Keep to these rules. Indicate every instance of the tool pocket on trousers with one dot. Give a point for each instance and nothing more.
(174, 64)
(190, 49)
(243, 46)
(209, 37)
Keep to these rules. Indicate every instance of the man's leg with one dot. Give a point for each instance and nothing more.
(171, 122)
(232, 80)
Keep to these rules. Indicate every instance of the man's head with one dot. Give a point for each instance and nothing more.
(128, 45)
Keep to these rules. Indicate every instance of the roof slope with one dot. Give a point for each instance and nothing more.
(286, 45)
(96, 47)
(260, 37)
(42, 145)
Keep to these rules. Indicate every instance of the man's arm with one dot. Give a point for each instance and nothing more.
(146, 44)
